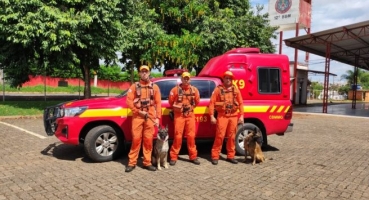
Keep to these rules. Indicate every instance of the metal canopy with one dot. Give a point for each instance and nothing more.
(346, 44)
(320, 72)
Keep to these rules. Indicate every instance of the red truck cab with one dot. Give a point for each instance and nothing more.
(103, 125)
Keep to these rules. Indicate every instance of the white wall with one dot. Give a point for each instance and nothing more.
(1, 77)
(302, 79)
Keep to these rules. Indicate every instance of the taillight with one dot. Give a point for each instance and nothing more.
(288, 114)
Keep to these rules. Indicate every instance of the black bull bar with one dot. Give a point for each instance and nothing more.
(50, 115)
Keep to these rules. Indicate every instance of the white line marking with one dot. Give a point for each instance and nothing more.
(21, 129)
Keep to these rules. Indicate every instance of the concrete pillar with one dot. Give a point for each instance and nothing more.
(1, 77)
(95, 80)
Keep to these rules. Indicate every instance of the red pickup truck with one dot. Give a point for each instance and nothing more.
(103, 125)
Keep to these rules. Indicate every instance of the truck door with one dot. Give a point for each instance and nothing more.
(165, 87)
(206, 88)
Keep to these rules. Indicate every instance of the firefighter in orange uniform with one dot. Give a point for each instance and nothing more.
(183, 99)
(227, 101)
(144, 100)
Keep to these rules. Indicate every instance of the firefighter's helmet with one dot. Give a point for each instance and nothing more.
(186, 74)
(145, 67)
(228, 73)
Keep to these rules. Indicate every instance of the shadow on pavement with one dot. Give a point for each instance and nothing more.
(65, 152)
(73, 152)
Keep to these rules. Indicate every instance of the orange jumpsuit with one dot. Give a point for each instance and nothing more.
(184, 122)
(143, 129)
(226, 120)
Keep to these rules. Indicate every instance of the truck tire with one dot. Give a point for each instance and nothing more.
(102, 144)
(242, 130)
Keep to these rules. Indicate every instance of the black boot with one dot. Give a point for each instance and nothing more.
(150, 168)
(130, 168)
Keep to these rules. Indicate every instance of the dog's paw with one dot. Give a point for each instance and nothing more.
(166, 166)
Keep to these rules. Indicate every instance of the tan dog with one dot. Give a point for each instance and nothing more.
(161, 149)
(252, 147)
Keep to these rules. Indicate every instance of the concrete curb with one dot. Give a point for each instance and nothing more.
(22, 117)
(326, 114)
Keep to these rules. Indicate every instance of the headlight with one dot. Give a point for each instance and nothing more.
(73, 111)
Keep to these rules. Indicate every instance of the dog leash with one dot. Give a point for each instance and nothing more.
(147, 116)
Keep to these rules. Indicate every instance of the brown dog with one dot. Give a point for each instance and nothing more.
(252, 147)
(161, 149)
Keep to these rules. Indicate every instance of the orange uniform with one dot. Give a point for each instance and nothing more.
(228, 103)
(183, 100)
(146, 97)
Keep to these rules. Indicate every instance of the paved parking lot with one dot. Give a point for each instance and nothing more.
(325, 157)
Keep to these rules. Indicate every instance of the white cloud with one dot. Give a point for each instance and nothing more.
(326, 14)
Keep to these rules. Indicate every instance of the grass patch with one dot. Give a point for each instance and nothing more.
(27, 108)
(24, 108)
(69, 89)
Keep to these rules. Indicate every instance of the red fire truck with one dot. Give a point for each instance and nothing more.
(103, 125)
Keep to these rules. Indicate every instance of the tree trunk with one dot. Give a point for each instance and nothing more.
(132, 68)
(197, 69)
(86, 77)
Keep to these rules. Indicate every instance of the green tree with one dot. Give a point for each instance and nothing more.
(362, 77)
(316, 88)
(192, 31)
(112, 73)
(58, 35)
(141, 29)
(344, 89)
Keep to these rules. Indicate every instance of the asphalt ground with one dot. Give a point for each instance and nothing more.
(325, 157)
(346, 108)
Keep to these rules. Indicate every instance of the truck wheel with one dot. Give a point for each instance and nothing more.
(102, 144)
(242, 131)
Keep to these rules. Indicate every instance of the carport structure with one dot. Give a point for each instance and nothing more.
(347, 44)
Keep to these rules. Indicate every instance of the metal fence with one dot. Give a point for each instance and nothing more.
(332, 95)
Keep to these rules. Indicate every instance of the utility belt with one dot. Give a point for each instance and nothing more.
(143, 104)
(227, 108)
(184, 109)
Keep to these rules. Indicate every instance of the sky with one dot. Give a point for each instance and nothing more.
(326, 14)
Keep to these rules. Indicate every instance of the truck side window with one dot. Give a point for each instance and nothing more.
(165, 87)
(205, 87)
(269, 80)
